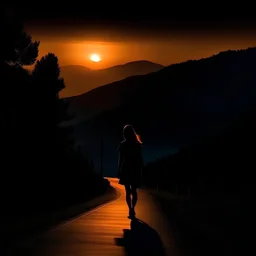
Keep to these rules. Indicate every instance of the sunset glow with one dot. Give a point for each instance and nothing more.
(95, 57)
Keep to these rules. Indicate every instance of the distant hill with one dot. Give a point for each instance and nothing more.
(228, 155)
(80, 79)
(171, 108)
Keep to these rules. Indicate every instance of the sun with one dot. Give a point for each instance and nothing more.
(95, 57)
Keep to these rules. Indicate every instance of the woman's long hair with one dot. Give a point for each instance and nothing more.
(130, 134)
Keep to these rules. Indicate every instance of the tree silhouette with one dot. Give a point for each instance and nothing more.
(40, 157)
(19, 49)
(46, 75)
(57, 144)
(47, 70)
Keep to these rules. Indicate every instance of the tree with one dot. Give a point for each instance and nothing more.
(18, 47)
(46, 75)
(71, 167)
(47, 71)
(18, 50)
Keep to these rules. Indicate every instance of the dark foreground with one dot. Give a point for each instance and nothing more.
(107, 231)
(209, 226)
(165, 225)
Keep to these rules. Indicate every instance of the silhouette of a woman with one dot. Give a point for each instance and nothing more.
(130, 165)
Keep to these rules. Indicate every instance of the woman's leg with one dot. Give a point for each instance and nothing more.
(128, 196)
(134, 196)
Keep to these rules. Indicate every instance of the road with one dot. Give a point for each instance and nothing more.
(107, 231)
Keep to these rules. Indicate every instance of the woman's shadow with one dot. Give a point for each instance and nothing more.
(141, 239)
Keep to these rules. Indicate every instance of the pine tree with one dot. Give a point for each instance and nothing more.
(46, 75)
(18, 47)
(18, 50)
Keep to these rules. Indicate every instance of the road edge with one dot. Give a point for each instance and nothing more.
(52, 221)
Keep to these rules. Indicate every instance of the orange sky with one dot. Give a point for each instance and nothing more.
(75, 47)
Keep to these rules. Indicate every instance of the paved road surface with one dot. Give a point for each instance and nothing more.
(107, 231)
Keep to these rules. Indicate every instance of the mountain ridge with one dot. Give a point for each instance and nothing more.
(115, 66)
(80, 79)
(86, 101)
(170, 108)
